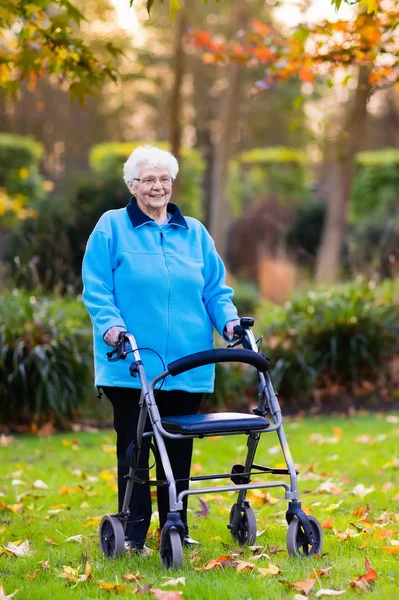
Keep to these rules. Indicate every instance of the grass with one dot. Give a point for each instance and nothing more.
(337, 453)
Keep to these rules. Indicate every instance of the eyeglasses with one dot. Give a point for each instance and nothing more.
(165, 181)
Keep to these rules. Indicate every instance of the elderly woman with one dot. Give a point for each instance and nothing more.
(151, 271)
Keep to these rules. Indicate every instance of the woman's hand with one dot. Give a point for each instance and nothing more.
(112, 335)
(230, 329)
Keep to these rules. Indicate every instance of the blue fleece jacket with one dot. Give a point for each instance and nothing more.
(164, 284)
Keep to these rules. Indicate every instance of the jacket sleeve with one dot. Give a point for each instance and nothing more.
(98, 286)
(217, 296)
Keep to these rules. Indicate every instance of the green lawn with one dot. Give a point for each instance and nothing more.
(355, 460)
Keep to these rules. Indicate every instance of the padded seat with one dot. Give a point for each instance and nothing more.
(215, 423)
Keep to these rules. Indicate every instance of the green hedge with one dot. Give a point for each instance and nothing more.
(20, 180)
(375, 191)
(107, 159)
(45, 358)
(261, 172)
(326, 347)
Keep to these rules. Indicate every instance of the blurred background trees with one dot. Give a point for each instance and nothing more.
(287, 160)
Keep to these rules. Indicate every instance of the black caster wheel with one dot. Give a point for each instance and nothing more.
(243, 525)
(112, 536)
(171, 549)
(297, 543)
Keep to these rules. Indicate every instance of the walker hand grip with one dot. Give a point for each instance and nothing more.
(208, 357)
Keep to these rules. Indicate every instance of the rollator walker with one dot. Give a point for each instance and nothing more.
(304, 534)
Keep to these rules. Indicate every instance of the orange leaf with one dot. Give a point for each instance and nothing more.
(390, 549)
(328, 524)
(306, 75)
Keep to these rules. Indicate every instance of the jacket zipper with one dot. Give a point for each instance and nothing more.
(168, 307)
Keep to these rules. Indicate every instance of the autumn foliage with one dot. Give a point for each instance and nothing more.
(312, 50)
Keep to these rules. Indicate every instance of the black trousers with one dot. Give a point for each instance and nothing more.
(126, 413)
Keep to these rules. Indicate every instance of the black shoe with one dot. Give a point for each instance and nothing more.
(188, 541)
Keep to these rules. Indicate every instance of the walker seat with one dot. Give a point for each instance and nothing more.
(214, 423)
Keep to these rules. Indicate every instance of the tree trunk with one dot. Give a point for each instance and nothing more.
(176, 99)
(219, 210)
(346, 146)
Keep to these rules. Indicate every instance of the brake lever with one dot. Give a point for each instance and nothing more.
(121, 349)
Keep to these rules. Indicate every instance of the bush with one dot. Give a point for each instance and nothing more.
(262, 172)
(20, 181)
(372, 248)
(335, 341)
(108, 158)
(62, 225)
(246, 298)
(304, 235)
(375, 191)
(45, 358)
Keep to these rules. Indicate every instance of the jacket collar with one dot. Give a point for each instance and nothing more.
(139, 218)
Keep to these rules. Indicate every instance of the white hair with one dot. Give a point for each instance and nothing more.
(150, 156)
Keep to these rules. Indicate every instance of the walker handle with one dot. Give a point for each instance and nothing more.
(208, 357)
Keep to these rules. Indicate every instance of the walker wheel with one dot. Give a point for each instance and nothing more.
(297, 542)
(243, 524)
(172, 553)
(112, 536)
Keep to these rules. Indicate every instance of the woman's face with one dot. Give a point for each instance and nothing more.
(153, 188)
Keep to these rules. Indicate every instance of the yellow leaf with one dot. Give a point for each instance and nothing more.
(371, 5)
(174, 5)
(271, 570)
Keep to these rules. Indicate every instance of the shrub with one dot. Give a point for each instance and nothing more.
(375, 194)
(246, 297)
(372, 248)
(339, 339)
(45, 358)
(108, 158)
(261, 172)
(304, 235)
(20, 182)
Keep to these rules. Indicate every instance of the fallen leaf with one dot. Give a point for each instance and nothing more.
(18, 549)
(39, 485)
(15, 508)
(348, 534)
(32, 575)
(319, 573)
(300, 586)
(243, 567)
(130, 577)
(176, 581)
(45, 564)
(361, 491)
(3, 595)
(390, 549)
(275, 549)
(328, 523)
(270, 571)
(161, 595)
(360, 584)
(76, 538)
(363, 581)
(204, 512)
(111, 587)
(143, 590)
(360, 511)
(50, 541)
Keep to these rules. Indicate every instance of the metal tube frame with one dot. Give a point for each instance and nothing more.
(268, 401)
